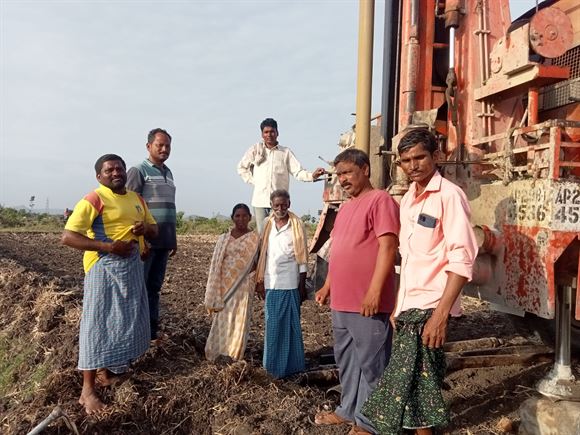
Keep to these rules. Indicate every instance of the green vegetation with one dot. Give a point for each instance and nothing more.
(13, 359)
(24, 220)
(201, 225)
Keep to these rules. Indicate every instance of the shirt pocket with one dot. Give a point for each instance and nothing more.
(425, 240)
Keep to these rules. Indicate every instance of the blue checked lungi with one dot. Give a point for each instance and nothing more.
(115, 319)
(283, 345)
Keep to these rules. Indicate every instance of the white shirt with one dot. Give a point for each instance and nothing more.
(282, 270)
(268, 170)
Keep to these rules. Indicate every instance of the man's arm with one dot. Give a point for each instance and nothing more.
(84, 243)
(383, 266)
(322, 295)
(245, 165)
(461, 253)
(135, 180)
(435, 330)
(298, 172)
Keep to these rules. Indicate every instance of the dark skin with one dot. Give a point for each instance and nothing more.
(280, 207)
(159, 151)
(241, 218)
(113, 176)
(420, 165)
(355, 181)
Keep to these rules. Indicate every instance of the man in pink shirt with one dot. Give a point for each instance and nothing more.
(361, 288)
(438, 249)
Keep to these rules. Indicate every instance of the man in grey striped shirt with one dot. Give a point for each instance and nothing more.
(153, 180)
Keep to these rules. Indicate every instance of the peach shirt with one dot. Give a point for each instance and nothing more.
(427, 254)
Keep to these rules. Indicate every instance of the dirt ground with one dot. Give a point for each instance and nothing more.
(173, 390)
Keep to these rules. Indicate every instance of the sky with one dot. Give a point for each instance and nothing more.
(79, 79)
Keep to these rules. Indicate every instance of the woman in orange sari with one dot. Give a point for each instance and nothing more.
(230, 287)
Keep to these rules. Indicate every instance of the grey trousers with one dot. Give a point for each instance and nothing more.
(261, 213)
(362, 346)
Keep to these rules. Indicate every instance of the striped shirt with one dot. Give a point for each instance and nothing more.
(155, 184)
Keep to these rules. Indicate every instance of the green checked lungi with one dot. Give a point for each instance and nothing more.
(408, 396)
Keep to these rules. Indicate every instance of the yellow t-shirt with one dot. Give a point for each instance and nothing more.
(107, 216)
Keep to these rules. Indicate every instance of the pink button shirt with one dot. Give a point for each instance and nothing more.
(436, 237)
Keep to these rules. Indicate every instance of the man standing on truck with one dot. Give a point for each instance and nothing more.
(438, 249)
(360, 285)
(267, 165)
(107, 224)
(153, 180)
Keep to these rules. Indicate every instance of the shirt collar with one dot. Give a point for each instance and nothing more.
(271, 149)
(434, 184)
(150, 163)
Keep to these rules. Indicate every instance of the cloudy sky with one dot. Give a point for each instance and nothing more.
(79, 79)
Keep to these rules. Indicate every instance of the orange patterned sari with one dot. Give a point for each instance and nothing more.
(229, 293)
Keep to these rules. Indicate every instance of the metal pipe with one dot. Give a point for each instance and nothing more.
(533, 104)
(365, 74)
(451, 47)
(482, 72)
(412, 62)
(488, 108)
(390, 66)
(563, 326)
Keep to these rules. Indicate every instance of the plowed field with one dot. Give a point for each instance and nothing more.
(173, 390)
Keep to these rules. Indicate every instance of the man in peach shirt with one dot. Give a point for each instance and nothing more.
(438, 249)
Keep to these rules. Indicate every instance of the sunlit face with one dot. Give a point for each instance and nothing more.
(241, 219)
(419, 164)
(280, 206)
(270, 136)
(113, 176)
(159, 149)
(352, 178)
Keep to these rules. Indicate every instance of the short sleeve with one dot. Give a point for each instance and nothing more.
(384, 216)
(82, 217)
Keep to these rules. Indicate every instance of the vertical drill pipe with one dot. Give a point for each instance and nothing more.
(482, 72)
(533, 102)
(365, 74)
(390, 66)
(563, 325)
(486, 62)
(412, 61)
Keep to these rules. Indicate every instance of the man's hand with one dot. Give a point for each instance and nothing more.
(393, 321)
(370, 303)
(260, 290)
(317, 173)
(173, 252)
(435, 330)
(122, 249)
(302, 291)
(321, 296)
(138, 228)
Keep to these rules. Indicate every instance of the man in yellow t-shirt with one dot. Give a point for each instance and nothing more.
(110, 225)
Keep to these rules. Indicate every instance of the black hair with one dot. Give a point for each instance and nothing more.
(279, 193)
(155, 131)
(354, 155)
(239, 206)
(107, 158)
(418, 136)
(269, 122)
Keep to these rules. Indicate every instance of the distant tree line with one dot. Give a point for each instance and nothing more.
(26, 220)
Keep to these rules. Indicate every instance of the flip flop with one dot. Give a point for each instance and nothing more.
(327, 418)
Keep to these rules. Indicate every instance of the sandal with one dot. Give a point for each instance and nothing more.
(327, 418)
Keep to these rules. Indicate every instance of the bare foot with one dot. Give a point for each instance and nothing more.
(106, 378)
(91, 402)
